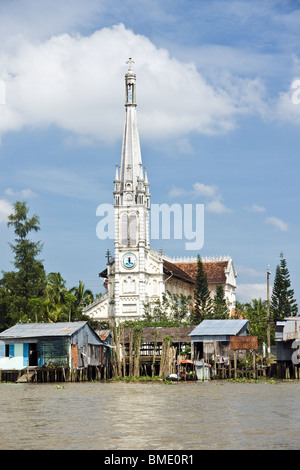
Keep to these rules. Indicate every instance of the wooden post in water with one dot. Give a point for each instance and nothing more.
(130, 352)
(254, 365)
(215, 364)
(137, 347)
(154, 352)
(161, 366)
(123, 351)
(234, 362)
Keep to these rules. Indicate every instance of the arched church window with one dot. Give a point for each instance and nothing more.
(129, 93)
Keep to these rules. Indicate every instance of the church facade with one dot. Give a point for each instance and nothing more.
(137, 275)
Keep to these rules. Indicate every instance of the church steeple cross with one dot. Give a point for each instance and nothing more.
(130, 62)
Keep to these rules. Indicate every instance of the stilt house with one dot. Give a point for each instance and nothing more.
(66, 344)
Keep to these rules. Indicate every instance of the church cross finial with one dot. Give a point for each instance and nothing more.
(130, 62)
(108, 256)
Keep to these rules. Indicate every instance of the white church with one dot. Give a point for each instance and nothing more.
(137, 275)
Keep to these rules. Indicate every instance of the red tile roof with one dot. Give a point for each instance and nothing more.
(215, 270)
(177, 271)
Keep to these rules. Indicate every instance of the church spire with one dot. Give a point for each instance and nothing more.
(131, 172)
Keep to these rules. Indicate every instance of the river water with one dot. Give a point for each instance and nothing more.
(150, 416)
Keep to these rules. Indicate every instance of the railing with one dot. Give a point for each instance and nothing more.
(207, 259)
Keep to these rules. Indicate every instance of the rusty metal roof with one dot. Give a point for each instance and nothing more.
(103, 334)
(291, 329)
(33, 330)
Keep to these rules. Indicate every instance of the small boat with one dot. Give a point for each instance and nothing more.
(186, 370)
(173, 377)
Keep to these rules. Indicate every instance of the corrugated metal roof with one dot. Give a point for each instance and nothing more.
(291, 329)
(33, 330)
(103, 334)
(219, 327)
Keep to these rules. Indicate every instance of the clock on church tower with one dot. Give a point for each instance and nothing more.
(129, 260)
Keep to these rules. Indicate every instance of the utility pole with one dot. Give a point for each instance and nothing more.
(268, 319)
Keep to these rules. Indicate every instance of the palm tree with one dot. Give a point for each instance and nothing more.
(56, 298)
(56, 287)
(59, 313)
(82, 294)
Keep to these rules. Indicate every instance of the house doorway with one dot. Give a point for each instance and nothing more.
(33, 359)
(198, 350)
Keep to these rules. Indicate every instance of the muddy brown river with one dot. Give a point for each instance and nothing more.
(150, 416)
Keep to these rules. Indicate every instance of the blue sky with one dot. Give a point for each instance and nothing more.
(217, 120)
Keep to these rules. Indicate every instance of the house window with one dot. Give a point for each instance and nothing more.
(9, 350)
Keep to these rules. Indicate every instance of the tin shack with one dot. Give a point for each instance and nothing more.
(287, 340)
(65, 344)
(211, 338)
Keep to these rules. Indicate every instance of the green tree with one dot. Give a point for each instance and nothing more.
(203, 303)
(56, 287)
(58, 313)
(283, 303)
(180, 306)
(256, 312)
(160, 310)
(82, 295)
(28, 281)
(5, 318)
(220, 307)
(173, 309)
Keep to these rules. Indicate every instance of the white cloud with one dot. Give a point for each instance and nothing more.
(24, 193)
(176, 192)
(288, 104)
(213, 199)
(216, 206)
(201, 189)
(278, 223)
(75, 82)
(256, 208)
(209, 195)
(247, 292)
(5, 210)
